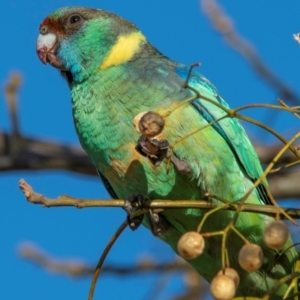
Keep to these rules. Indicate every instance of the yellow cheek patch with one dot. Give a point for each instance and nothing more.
(123, 50)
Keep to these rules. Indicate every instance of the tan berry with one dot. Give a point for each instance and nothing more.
(276, 234)
(190, 245)
(251, 257)
(222, 287)
(231, 273)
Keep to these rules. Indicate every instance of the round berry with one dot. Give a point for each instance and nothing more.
(191, 245)
(222, 287)
(276, 234)
(231, 273)
(251, 257)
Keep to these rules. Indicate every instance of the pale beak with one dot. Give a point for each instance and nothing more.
(46, 49)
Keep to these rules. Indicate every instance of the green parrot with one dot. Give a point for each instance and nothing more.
(115, 74)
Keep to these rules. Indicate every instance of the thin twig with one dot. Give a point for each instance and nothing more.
(224, 25)
(11, 95)
(103, 256)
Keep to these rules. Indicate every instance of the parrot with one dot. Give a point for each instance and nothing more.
(115, 74)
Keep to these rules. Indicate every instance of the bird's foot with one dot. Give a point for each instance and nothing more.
(158, 224)
(155, 150)
(134, 223)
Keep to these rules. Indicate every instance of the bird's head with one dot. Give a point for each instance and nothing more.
(78, 41)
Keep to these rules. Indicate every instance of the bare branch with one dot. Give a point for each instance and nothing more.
(103, 256)
(224, 25)
(11, 95)
(37, 154)
(77, 268)
(156, 205)
(267, 153)
(285, 184)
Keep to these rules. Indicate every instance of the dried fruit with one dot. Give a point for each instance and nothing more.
(191, 245)
(276, 234)
(222, 287)
(251, 257)
(151, 124)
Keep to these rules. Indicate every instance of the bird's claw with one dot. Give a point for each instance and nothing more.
(134, 223)
(158, 224)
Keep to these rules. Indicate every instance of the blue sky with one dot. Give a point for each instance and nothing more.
(179, 30)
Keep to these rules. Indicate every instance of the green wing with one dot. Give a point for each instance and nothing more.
(229, 128)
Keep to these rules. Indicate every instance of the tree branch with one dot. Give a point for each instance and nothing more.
(76, 268)
(224, 25)
(37, 154)
(156, 205)
(285, 184)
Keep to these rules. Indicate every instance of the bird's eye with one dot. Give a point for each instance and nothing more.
(75, 19)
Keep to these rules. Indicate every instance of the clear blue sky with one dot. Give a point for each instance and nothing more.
(181, 31)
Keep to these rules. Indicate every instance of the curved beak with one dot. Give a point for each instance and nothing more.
(46, 48)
